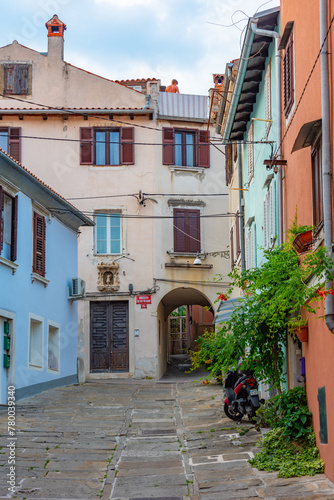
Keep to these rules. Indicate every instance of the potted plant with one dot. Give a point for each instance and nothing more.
(302, 333)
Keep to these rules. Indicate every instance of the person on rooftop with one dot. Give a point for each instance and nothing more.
(173, 88)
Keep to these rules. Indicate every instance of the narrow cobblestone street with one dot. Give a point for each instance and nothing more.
(130, 439)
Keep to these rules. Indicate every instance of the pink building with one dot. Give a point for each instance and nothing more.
(306, 129)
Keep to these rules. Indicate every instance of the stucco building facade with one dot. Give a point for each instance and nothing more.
(143, 169)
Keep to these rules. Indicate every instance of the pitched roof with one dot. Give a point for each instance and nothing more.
(35, 188)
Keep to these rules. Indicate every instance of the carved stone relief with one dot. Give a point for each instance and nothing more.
(108, 277)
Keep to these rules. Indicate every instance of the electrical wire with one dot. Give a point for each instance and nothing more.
(218, 141)
(137, 216)
(201, 283)
(304, 90)
(78, 112)
(199, 195)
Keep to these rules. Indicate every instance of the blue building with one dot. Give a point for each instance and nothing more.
(38, 259)
(252, 121)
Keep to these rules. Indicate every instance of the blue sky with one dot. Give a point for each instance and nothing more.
(124, 39)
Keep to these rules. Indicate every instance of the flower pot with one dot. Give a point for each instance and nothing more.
(303, 241)
(302, 333)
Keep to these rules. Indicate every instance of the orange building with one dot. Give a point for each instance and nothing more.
(307, 147)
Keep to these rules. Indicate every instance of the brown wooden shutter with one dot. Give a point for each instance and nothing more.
(194, 243)
(86, 146)
(9, 77)
(39, 244)
(127, 145)
(203, 149)
(1, 217)
(288, 80)
(13, 249)
(100, 336)
(22, 79)
(168, 150)
(179, 230)
(14, 143)
(186, 231)
(228, 163)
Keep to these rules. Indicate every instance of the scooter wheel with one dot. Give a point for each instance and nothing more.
(232, 415)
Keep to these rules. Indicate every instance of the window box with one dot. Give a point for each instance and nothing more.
(303, 241)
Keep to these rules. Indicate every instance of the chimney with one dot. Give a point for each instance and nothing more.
(215, 94)
(56, 30)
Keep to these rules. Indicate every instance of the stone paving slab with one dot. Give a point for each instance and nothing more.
(127, 439)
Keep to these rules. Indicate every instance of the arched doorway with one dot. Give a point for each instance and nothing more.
(178, 333)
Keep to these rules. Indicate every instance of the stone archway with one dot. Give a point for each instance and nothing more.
(182, 296)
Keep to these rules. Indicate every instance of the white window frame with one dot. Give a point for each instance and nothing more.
(56, 327)
(109, 212)
(32, 364)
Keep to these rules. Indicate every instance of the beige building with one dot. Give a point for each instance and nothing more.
(138, 162)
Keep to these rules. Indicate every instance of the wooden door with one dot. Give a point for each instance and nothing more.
(109, 348)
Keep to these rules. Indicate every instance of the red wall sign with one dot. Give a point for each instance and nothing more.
(143, 300)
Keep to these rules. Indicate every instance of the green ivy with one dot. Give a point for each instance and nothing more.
(274, 296)
(289, 459)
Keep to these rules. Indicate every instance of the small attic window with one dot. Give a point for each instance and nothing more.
(55, 29)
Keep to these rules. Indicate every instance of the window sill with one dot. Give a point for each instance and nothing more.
(188, 266)
(51, 370)
(9, 263)
(193, 170)
(35, 367)
(193, 255)
(107, 167)
(41, 279)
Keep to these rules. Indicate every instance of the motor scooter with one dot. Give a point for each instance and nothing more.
(242, 395)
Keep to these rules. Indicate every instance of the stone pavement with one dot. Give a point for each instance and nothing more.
(128, 439)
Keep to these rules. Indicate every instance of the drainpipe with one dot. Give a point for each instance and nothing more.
(242, 210)
(326, 154)
(275, 35)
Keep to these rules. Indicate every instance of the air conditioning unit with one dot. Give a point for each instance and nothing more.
(78, 288)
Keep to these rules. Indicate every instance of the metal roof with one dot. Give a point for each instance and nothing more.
(183, 106)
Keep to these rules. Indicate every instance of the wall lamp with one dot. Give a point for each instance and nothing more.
(221, 253)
